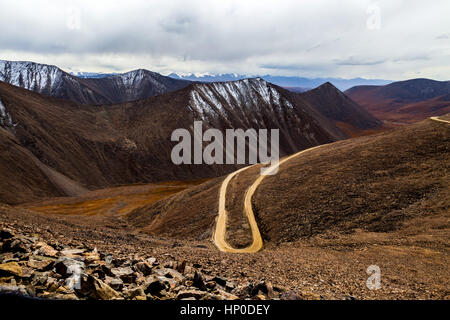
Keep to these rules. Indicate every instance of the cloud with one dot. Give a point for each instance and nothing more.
(288, 37)
(352, 61)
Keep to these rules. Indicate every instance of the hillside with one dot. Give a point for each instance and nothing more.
(52, 81)
(77, 147)
(336, 106)
(404, 101)
(380, 183)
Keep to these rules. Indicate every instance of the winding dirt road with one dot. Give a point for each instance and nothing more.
(221, 223)
(440, 120)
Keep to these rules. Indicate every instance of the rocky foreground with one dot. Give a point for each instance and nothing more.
(30, 267)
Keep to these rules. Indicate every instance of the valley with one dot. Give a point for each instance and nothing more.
(95, 178)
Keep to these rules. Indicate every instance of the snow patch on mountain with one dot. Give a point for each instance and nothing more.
(30, 75)
(221, 97)
(5, 117)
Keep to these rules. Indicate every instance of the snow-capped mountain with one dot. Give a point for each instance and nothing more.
(41, 78)
(52, 81)
(295, 83)
(255, 103)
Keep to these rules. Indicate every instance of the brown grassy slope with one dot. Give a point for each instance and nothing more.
(113, 201)
(404, 101)
(17, 162)
(373, 183)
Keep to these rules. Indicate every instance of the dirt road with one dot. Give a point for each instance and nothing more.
(221, 223)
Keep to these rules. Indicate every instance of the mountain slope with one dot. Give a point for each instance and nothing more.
(376, 183)
(406, 101)
(102, 146)
(336, 106)
(52, 81)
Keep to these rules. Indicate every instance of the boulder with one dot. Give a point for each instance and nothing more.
(170, 273)
(95, 288)
(14, 289)
(40, 263)
(197, 294)
(153, 285)
(6, 234)
(135, 294)
(68, 266)
(115, 283)
(290, 295)
(199, 281)
(44, 249)
(125, 273)
(144, 267)
(11, 268)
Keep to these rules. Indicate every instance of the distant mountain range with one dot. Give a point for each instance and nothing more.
(287, 82)
(404, 101)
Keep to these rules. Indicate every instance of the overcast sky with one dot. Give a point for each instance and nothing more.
(387, 39)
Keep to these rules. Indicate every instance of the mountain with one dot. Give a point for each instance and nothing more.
(88, 75)
(394, 180)
(297, 89)
(346, 113)
(53, 147)
(404, 101)
(286, 82)
(52, 81)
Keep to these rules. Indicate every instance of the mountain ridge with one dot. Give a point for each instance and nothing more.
(405, 101)
(53, 81)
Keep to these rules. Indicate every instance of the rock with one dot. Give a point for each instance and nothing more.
(14, 289)
(180, 267)
(307, 295)
(197, 294)
(40, 263)
(125, 273)
(170, 273)
(57, 296)
(219, 294)
(229, 285)
(15, 245)
(68, 266)
(262, 287)
(153, 285)
(290, 295)
(115, 283)
(260, 297)
(91, 257)
(73, 253)
(94, 288)
(135, 294)
(6, 280)
(11, 268)
(220, 281)
(152, 261)
(144, 267)
(44, 249)
(198, 281)
(6, 234)
(52, 284)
